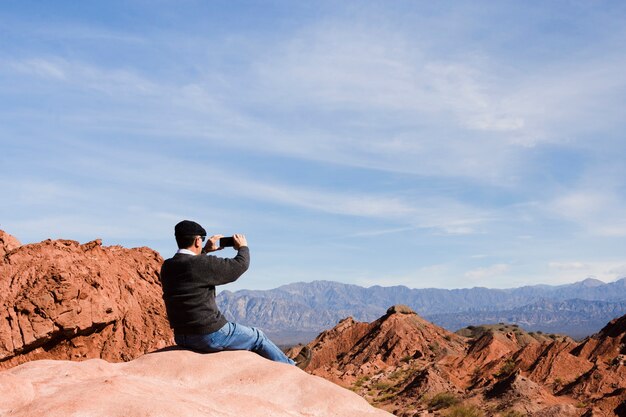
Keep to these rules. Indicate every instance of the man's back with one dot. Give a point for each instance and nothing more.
(189, 289)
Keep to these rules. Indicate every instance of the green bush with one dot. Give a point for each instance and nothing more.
(513, 413)
(359, 382)
(434, 347)
(507, 369)
(406, 359)
(382, 386)
(385, 397)
(442, 400)
(465, 411)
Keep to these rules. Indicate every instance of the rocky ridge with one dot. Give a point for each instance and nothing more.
(302, 310)
(411, 367)
(60, 299)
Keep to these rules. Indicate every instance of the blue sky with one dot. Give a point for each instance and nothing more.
(427, 144)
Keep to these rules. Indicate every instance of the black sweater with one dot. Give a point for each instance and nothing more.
(189, 289)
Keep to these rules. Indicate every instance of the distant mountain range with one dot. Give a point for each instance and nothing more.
(298, 312)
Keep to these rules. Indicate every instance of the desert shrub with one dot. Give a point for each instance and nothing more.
(359, 382)
(398, 374)
(385, 397)
(381, 386)
(616, 361)
(434, 347)
(442, 400)
(406, 359)
(513, 413)
(465, 411)
(508, 367)
(476, 372)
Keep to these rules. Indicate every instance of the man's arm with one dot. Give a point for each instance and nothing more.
(224, 270)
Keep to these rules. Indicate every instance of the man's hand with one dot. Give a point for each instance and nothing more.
(240, 241)
(211, 244)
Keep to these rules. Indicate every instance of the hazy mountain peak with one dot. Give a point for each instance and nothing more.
(591, 282)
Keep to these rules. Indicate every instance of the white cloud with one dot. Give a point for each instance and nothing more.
(373, 99)
(570, 271)
(429, 276)
(114, 82)
(40, 67)
(598, 211)
(568, 266)
(344, 92)
(496, 270)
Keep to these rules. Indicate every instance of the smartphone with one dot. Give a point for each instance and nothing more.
(226, 242)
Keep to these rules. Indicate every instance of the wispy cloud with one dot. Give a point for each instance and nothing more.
(111, 81)
(497, 270)
(568, 270)
(398, 122)
(597, 212)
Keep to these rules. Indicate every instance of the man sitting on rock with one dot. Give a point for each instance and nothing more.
(189, 280)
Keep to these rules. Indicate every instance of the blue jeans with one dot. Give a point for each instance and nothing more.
(233, 336)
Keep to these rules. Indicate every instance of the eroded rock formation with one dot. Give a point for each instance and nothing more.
(407, 365)
(7, 243)
(63, 300)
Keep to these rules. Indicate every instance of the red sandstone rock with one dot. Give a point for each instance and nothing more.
(356, 348)
(63, 300)
(404, 363)
(485, 355)
(7, 243)
(608, 344)
(553, 363)
(173, 384)
(335, 343)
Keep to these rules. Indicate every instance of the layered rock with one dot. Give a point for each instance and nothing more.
(175, 383)
(517, 392)
(406, 365)
(63, 300)
(7, 243)
(608, 344)
(353, 349)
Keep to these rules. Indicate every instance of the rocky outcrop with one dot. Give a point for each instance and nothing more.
(407, 365)
(523, 394)
(335, 343)
(7, 243)
(175, 383)
(353, 349)
(63, 300)
(609, 343)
